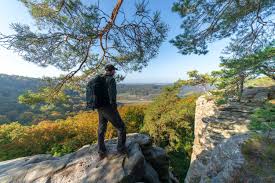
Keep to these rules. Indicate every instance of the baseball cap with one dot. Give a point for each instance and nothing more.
(110, 67)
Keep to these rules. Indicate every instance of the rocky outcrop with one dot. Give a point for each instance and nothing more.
(143, 163)
(222, 164)
(219, 133)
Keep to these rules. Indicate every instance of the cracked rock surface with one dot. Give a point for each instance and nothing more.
(140, 165)
(219, 133)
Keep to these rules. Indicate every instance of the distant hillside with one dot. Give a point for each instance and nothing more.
(12, 86)
(129, 93)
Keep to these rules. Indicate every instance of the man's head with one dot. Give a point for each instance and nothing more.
(110, 69)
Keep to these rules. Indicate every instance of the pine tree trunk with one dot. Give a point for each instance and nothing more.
(241, 86)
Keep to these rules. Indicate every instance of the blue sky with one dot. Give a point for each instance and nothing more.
(167, 67)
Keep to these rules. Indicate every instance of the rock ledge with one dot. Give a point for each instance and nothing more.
(144, 163)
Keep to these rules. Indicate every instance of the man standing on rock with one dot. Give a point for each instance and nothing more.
(101, 95)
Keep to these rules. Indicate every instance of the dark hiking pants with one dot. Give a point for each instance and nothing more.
(105, 114)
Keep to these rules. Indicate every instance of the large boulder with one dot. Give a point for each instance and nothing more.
(258, 94)
(84, 165)
(159, 160)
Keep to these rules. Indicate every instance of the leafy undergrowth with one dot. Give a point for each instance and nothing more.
(263, 119)
(259, 153)
(61, 136)
(180, 162)
(259, 150)
(169, 120)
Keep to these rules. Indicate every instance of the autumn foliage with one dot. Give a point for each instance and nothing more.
(61, 136)
(169, 120)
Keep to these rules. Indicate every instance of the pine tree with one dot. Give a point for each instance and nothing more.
(249, 24)
(74, 36)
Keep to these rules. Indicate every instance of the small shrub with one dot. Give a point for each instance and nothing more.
(263, 119)
(259, 153)
(60, 150)
(221, 101)
(219, 96)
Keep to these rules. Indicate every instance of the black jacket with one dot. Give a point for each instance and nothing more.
(111, 86)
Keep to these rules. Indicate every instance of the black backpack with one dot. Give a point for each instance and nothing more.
(97, 93)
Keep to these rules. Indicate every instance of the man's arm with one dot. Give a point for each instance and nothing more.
(112, 91)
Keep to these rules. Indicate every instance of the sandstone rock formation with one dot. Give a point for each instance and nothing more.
(219, 133)
(144, 163)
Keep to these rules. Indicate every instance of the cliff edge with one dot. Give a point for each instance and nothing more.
(144, 163)
(220, 132)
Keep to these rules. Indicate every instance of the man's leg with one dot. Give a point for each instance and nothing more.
(120, 126)
(102, 126)
(112, 115)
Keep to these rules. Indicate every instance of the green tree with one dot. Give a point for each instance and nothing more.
(33, 98)
(236, 71)
(248, 23)
(233, 75)
(134, 117)
(196, 78)
(80, 37)
(169, 120)
(262, 62)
